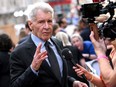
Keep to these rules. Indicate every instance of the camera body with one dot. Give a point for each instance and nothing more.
(108, 29)
(92, 10)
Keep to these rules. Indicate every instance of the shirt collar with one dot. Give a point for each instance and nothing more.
(37, 40)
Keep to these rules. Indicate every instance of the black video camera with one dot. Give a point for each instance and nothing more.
(92, 10)
(108, 29)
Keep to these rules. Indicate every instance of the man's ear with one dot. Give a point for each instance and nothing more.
(30, 24)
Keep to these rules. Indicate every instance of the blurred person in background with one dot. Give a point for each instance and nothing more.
(85, 47)
(76, 30)
(24, 33)
(108, 73)
(84, 29)
(6, 46)
(77, 56)
(56, 29)
(30, 62)
(63, 24)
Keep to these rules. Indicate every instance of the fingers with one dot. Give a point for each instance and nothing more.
(79, 70)
(38, 58)
(92, 37)
(41, 56)
(79, 84)
(38, 48)
(83, 84)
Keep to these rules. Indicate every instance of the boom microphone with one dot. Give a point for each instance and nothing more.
(67, 54)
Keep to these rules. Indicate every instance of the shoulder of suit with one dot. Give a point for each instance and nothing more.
(56, 40)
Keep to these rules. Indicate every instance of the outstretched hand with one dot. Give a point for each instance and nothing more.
(38, 58)
(99, 46)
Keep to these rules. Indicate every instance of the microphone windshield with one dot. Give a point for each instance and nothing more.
(67, 54)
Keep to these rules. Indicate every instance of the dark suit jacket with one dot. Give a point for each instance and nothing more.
(21, 73)
(4, 69)
(23, 39)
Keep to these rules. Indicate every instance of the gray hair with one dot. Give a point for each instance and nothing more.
(39, 6)
(77, 36)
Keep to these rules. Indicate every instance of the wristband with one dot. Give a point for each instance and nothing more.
(102, 57)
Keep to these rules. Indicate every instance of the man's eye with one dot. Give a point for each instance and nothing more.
(41, 22)
(50, 21)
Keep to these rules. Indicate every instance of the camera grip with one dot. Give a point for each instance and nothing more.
(93, 27)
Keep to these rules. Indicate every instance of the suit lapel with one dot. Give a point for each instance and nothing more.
(59, 48)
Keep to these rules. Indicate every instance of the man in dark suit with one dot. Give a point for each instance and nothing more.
(30, 65)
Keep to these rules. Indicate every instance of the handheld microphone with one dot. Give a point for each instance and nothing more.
(67, 54)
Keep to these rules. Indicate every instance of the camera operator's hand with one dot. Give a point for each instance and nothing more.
(101, 18)
(99, 45)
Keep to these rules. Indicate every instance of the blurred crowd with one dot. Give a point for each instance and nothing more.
(78, 42)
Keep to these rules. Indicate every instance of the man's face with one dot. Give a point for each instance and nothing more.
(64, 25)
(42, 25)
(77, 42)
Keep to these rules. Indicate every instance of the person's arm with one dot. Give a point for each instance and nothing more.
(90, 77)
(90, 56)
(102, 18)
(108, 74)
(22, 76)
(93, 56)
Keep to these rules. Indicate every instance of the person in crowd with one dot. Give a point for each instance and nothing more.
(108, 73)
(77, 56)
(22, 34)
(84, 29)
(34, 63)
(56, 29)
(76, 30)
(85, 47)
(63, 24)
(5, 48)
(25, 33)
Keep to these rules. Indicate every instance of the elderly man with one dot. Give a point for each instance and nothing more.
(33, 64)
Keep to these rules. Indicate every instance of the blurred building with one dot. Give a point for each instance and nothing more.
(8, 7)
(12, 16)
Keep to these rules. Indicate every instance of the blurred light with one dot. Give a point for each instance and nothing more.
(21, 13)
(18, 13)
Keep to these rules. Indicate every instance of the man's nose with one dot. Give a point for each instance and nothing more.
(46, 25)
